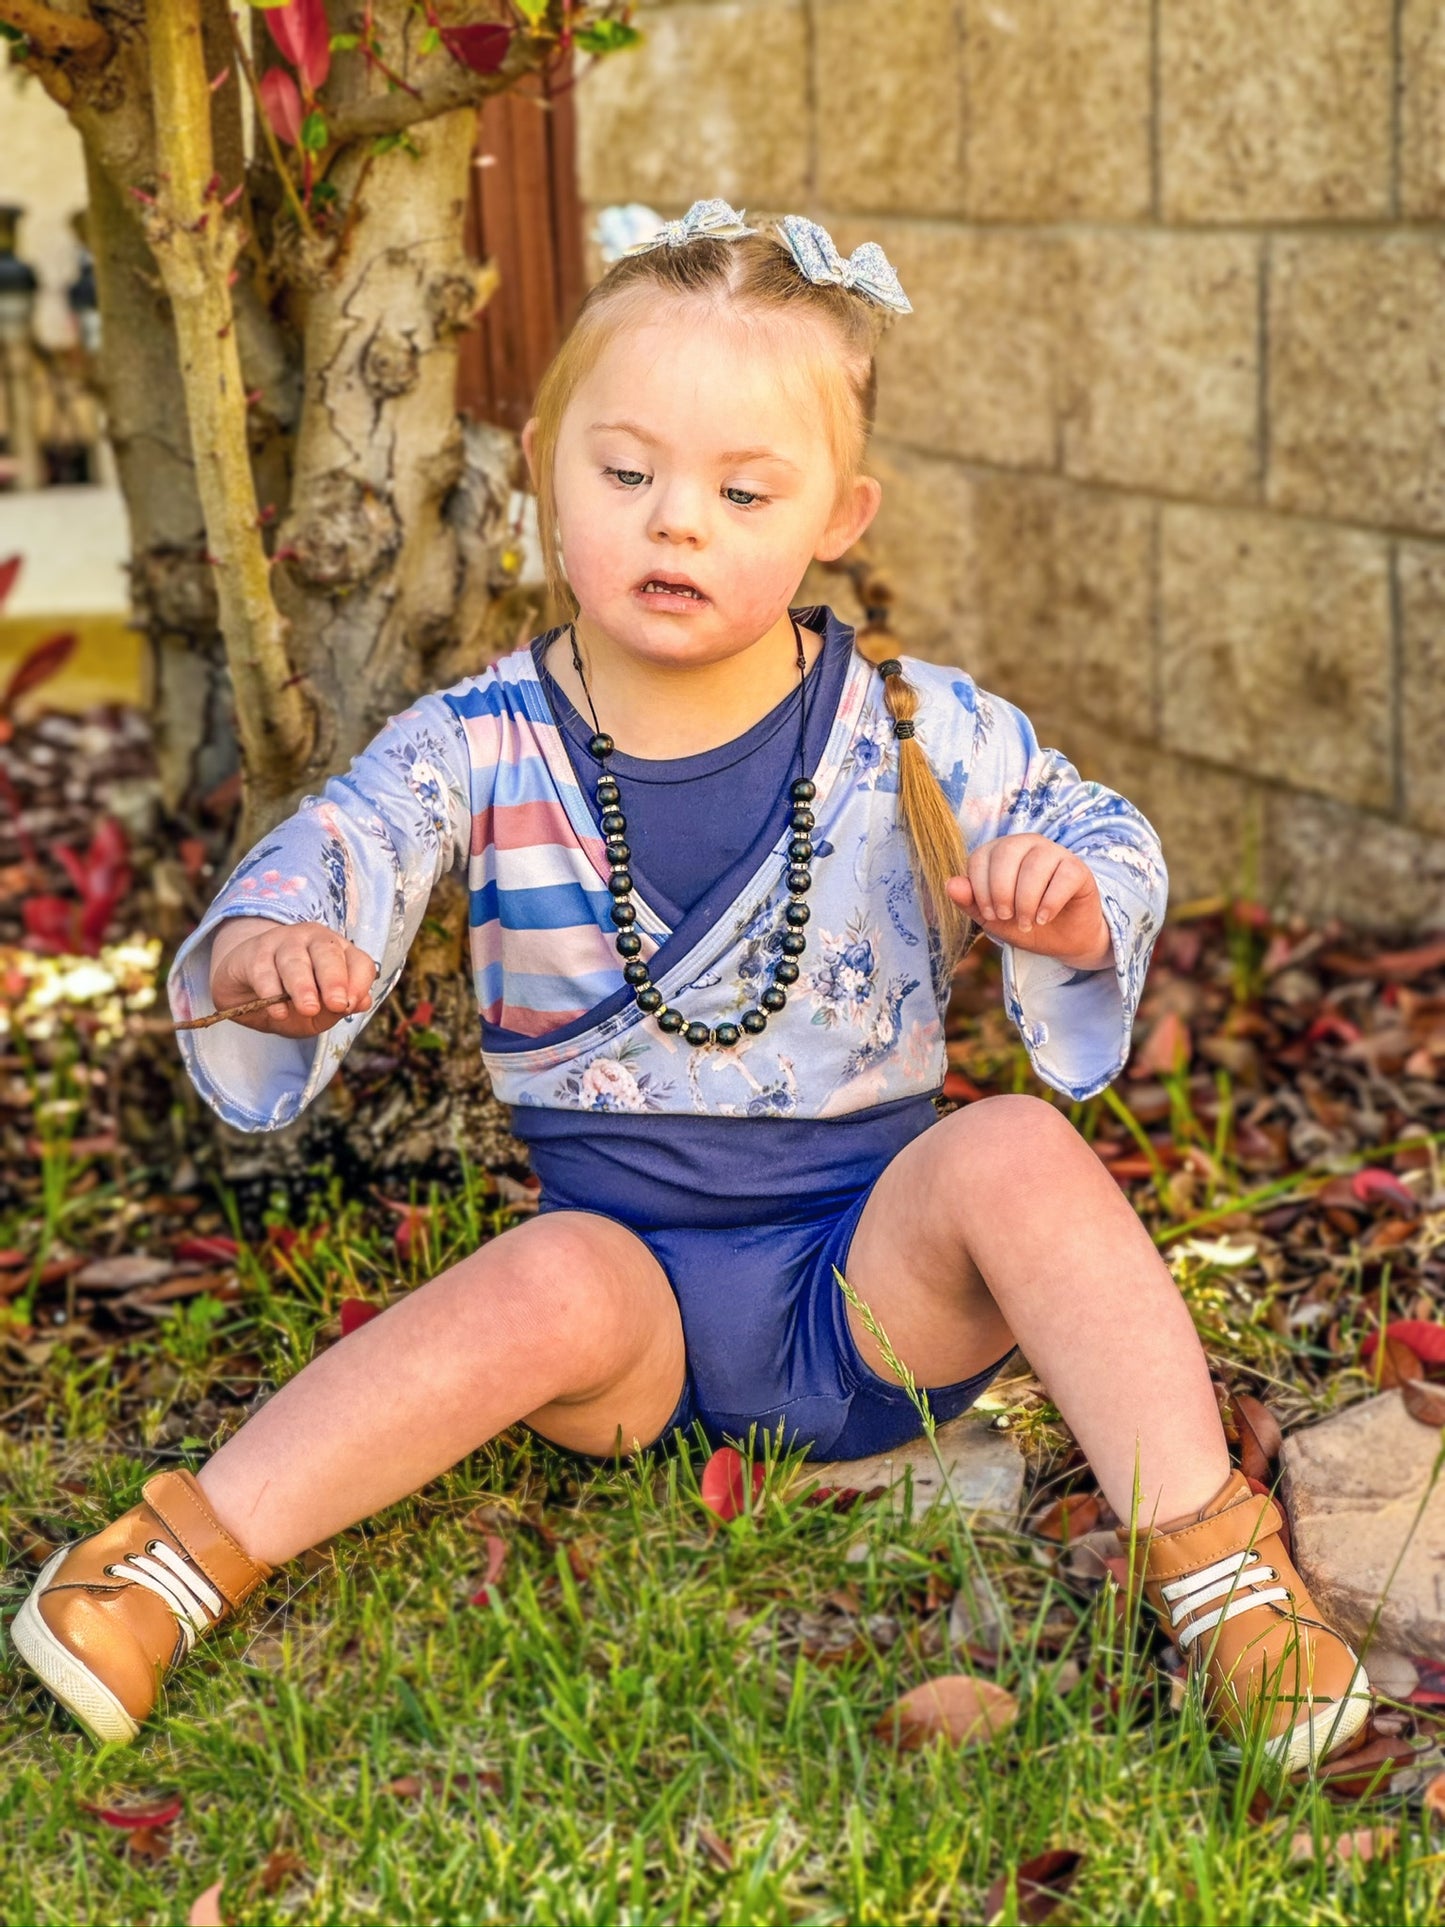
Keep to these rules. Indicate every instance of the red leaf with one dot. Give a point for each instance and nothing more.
(1331, 1026)
(722, 1482)
(1041, 1884)
(281, 104)
(204, 1251)
(38, 665)
(1426, 1340)
(1375, 1186)
(192, 852)
(482, 47)
(1431, 1688)
(1069, 1518)
(9, 1259)
(150, 1813)
(1167, 1047)
(959, 1089)
(9, 571)
(355, 1312)
(51, 923)
(496, 1559)
(301, 32)
(1259, 1436)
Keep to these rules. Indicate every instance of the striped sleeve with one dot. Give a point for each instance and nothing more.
(361, 858)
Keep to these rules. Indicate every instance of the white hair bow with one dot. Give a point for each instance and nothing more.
(867, 271)
(705, 220)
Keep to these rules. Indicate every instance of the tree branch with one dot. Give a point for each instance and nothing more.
(58, 36)
(453, 86)
(195, 247)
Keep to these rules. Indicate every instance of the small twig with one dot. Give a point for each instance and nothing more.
(235, 1010)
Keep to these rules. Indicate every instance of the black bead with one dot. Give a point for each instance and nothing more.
(773, 998)
(617, 852)
(614, 823)
(649, 999)
(670, 1021)
(637, 974)
(803, 818)
(800, 879)
(726, 1035)
(785, 971)
(797, 914)
(620, 883)
(698, 1034)
(629, 944)
(753, 1022)
(601, 745)
(608, 794)
(803, 791)
(624, 914)
(794, 943)
(800, 850)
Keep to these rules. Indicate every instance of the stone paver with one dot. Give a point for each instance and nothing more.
(985, 1471)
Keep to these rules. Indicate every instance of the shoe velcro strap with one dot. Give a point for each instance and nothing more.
(177, 1500)
(1172, 1554)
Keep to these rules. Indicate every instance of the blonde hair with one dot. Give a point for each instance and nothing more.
(758, 274)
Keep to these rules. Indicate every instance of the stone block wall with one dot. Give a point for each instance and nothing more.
(1163, 444)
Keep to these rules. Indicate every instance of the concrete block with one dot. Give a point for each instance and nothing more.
(1057, 121)
(1422, 109)
(1159, 362)
(890, 104)
(715, 101)
(1422, 689)
(1275, 112)
(1275, 650)
(1357, 379)
(982, 1472)
(1325, 859)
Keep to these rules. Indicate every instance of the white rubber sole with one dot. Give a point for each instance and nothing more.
(84, 1696)
(1319, 1735)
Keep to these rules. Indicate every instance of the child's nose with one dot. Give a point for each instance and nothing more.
(677, 516)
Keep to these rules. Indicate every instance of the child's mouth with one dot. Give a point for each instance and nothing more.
(656, 586)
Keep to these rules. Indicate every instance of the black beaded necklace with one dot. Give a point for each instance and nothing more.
(624, 914)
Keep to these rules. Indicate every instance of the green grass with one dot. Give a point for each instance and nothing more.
(665, 1749)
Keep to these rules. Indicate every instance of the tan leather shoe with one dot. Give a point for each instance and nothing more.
(112, 1614)
(1233, 1603)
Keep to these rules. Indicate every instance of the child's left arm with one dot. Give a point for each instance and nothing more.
(1070, 879)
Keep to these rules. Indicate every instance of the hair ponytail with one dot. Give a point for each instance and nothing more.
(934, 832)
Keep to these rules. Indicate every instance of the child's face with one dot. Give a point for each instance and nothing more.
(695, 482)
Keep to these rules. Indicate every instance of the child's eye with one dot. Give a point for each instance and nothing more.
(743, 498)
(629, 477)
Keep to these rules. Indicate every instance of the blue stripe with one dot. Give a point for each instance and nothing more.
(556, 906)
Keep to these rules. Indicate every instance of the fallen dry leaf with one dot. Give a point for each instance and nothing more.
(124, 1273)
(716, 1850)
(1365, 1843)
(1260, 1439)
(147, 1843)
(1069, 1518)
(206, 1908)
(496, 1559)
(1424, 1401)
(1425, 1339)
(1433, 1799)
(282, 1865)
(1396, 1365)
(1364, 1770)
(953, 1707)
(1041, 1883)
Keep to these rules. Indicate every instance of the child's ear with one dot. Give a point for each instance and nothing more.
(529, 443)
(856, 508)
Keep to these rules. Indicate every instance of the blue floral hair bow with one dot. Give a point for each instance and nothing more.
(705, 220)
(867, 271)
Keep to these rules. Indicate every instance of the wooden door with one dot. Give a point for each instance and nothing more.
(524, 214)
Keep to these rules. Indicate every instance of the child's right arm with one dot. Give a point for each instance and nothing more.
(330, 898)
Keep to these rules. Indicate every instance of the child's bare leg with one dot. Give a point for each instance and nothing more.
(567, 1322)
(1001, 1226)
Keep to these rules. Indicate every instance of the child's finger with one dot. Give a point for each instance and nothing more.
(362, 973)
(1003, 867)
(1061, 891)
(962, 892)
(1040, 865)
(298, 978)
(329, 967)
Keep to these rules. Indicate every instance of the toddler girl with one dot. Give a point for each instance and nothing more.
(720, 867)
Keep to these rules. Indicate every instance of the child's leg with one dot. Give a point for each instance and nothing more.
(1001, 1226)
(567, 1322)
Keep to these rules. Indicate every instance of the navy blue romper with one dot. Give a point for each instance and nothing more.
(746, 1217)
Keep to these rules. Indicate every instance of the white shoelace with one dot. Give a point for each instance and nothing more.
(177, 1582)
(1242, 1573)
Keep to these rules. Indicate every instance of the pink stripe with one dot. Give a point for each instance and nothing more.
(534, 1023)
(517, 826)
(575, 951)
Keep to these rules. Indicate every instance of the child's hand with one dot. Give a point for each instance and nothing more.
(1031, 892)
(325, 976)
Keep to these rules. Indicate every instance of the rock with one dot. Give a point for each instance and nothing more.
(985, 1471)
(1353, 1485)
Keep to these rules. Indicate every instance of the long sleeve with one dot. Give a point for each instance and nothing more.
(361, 858)
(1076, 1024)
